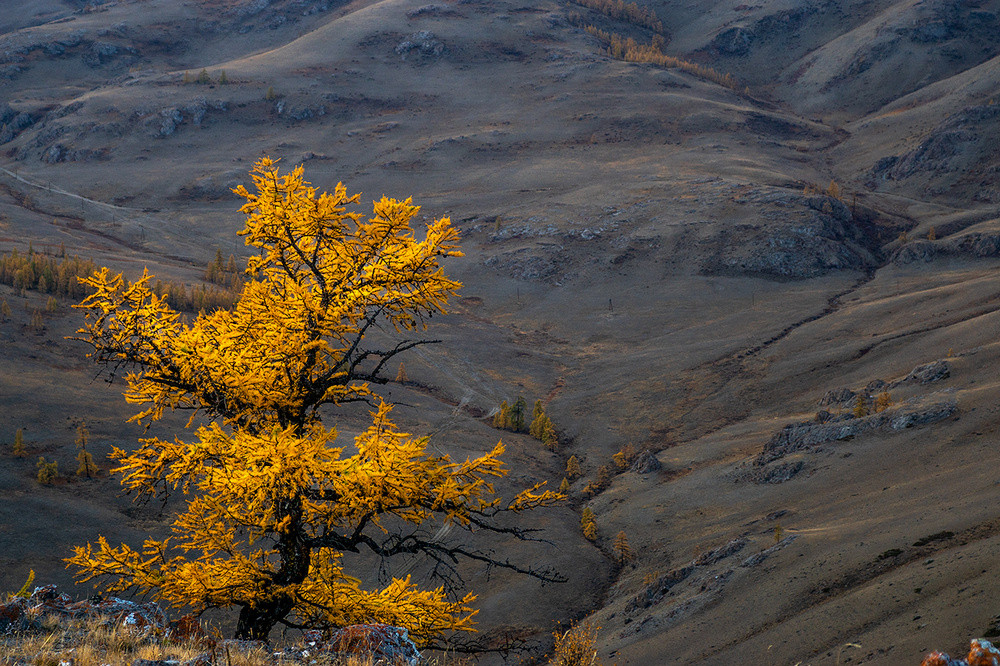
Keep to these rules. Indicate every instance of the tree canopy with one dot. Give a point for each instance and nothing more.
(273, 501)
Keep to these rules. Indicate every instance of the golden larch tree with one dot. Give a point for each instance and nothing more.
(272, 503)
(621, 548)
(573, 470)
(87, 467)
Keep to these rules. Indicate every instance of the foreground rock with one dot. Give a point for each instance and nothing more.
(381, 643)
(981, 653)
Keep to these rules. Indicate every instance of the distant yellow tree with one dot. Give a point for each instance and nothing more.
(272, 502)
(538, 419)
(549, 437)
(203, 76)
(931, 234)
(621, 548)
(624, 458)
(573, 470)
(47, 471)
(501, 419)
(37, 323)
(860, 406)
(564, 486)
(883, 401)
(19, 449)
(5, 312)
(87, 467)
(401, 376)
(833, 190)
(223, 79)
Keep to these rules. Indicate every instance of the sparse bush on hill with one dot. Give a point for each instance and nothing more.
(47, 471)
(273, 503)
(575, 647)
(5, 311)
(19, 449)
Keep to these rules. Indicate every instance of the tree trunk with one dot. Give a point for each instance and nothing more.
(255, 623)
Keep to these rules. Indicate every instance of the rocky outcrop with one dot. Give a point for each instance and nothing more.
(22, 613)
(799, 237)
(941, 148)
(646, 463)
(381, 643)
(981, 653)
(925, 374)
(741, 40)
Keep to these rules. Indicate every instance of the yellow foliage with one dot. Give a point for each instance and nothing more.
(575, 647)
(323, 276)
(271, 502)
(621, 548)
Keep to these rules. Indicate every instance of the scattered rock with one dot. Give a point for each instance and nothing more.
(646, 463)
(171, 119)
(424, 41)
(759, 557)
(720, 553)
(840, 396)
(775, 473)
(381, 643)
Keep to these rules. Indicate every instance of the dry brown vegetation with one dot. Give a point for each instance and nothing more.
(99, 642)
(629, 50)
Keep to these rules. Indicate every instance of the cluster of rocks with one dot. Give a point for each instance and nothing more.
(981, 653)
(26, 614)
(827, 427)
(382, 643)
(12, 122)
(424, 42)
